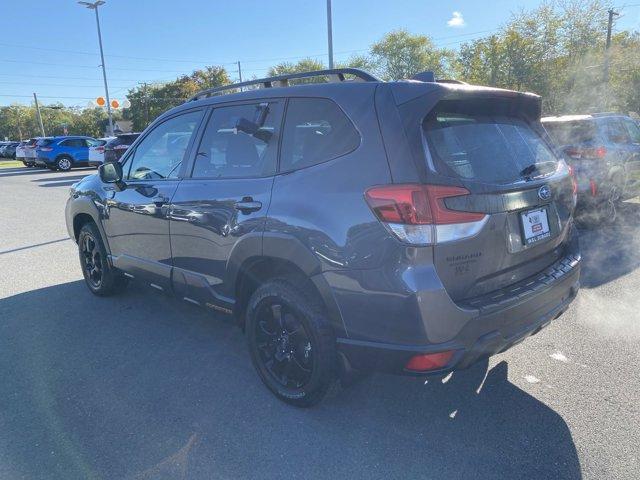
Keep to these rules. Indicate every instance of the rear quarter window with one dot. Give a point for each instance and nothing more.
(316, 130)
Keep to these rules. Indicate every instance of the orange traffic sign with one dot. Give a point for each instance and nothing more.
(101, 101)
(115, 104)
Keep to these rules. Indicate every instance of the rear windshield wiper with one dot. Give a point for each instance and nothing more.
(527, 171)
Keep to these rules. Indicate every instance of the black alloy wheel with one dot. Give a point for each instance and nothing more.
(284, 346)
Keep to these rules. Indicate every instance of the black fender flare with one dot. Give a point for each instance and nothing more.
(84, 205)
(281, 246)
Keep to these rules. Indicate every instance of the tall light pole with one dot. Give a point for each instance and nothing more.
(94, 6)
(329, 34)
(612, 13)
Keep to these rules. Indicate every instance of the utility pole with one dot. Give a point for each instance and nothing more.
(329, 33)
(94, 6)
(35, 97)
(240, 73)
(612, 13)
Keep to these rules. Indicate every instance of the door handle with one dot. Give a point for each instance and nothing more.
(247, 205)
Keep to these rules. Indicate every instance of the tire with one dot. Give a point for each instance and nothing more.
(101, 278)
(64, 163)
(299, 362)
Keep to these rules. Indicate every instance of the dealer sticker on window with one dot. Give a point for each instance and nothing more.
(535, 225)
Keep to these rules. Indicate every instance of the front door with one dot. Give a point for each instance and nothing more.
(224, 200)
(137, 221)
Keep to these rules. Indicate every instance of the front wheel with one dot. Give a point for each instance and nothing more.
(101, 278)
(291, 343)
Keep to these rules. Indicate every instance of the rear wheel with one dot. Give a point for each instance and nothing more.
(291, 343)
(101, 278)
(64, 164)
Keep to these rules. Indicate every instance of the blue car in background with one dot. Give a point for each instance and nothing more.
(63, 152)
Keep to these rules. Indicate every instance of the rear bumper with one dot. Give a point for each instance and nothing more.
(483, 337)
(476, 329)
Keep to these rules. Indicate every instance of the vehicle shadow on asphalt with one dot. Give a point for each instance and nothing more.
(10, 172)
(611, 251)
(145, 386)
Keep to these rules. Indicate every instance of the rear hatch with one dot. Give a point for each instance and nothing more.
(491, 198)
(513, 177)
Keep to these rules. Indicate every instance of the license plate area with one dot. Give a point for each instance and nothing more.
(535, 226)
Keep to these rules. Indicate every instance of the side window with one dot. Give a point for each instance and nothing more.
(240, 141)
(633, 129)
(615, 131)
(315, 130)
(162, 151)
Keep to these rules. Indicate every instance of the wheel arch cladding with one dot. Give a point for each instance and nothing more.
(284, 256)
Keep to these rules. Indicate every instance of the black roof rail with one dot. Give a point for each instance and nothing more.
(606, 114)
(335, 75)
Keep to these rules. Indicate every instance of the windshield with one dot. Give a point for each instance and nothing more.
(487, 148)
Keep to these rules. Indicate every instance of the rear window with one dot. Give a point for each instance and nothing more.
(572, 133)
(486, 148)
(315, 131)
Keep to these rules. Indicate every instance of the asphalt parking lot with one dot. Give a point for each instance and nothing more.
(145, 386)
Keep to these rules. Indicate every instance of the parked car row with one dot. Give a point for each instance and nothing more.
(69, 151)
(8, 149)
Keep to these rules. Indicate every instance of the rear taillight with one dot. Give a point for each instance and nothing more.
(100, 149)
(429, 361)
(417, 214)
(574, 181)
(594, 187)
(586, 152)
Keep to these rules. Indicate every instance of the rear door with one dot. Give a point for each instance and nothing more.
(513, 178)
(224, 199)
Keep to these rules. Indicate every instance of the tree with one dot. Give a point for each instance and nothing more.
(401, 55)
(149, 101)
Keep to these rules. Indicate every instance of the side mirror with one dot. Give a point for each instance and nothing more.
(110, 172)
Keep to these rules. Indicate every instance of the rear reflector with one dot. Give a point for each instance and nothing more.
(594, 188)
(417, 213)
(429, 361)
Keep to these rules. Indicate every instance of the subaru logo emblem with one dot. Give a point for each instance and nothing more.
(544, 192)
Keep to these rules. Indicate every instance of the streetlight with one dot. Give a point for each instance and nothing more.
(94, 6)
(329, 34)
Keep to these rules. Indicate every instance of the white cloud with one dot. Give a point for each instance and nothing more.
(456, 20)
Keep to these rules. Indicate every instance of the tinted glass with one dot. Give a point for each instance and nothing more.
(43, 142)
(74, 143)
(615, 131)
(572, 133)
(633, 129)
(315, 130)
(239, 141)
(493, 149)
(162, 151)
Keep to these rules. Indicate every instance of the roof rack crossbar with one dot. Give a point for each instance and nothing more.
(334, 75)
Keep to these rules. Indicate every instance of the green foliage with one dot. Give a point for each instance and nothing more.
(401, 55)
(149, 101)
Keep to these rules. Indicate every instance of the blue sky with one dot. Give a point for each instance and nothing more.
(50, 46)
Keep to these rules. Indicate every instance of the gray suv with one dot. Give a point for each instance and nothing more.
(603, 149)
(351, 224)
